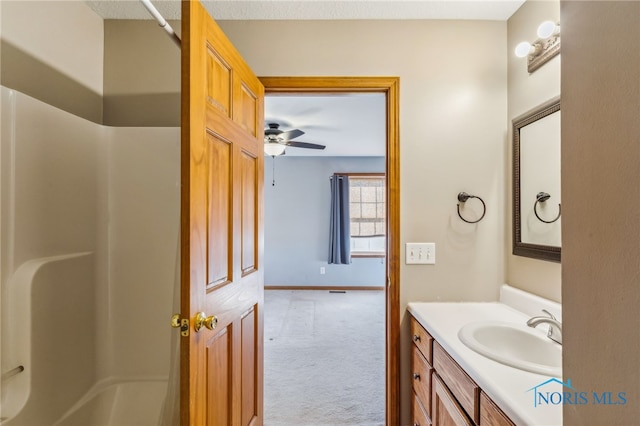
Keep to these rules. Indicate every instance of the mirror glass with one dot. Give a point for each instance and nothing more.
(537, 212)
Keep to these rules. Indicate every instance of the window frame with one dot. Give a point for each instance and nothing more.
(365, 254)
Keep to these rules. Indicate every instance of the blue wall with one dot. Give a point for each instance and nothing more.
(297, 223)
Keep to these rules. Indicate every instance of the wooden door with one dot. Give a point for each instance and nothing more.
(221, 229)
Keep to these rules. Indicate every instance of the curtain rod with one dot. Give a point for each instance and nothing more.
(161, 21)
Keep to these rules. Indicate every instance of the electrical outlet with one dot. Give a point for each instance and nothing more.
(322, 270)
(420, 253)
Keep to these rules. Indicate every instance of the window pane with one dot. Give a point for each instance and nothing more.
(367, 228)
(368, 210)
(355, 210)
(368, 194)
(367, 204)
(354, 193)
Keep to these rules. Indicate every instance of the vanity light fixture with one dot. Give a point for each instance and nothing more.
(543, 49)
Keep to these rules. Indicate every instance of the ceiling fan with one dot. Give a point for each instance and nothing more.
(276, 140)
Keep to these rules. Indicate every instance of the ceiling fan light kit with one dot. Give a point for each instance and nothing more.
(273, 149)
(276, 140)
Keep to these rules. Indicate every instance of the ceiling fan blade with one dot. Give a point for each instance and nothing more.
(304, 145)
(291, 134)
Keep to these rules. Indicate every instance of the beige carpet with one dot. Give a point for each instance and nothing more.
(324, 358)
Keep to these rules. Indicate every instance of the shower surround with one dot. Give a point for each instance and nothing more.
(89, 220)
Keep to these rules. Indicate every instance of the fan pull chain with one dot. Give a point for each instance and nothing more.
(273, 174)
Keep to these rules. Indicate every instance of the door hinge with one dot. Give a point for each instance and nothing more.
(181, 323)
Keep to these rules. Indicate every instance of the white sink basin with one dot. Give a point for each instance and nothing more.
(514, 345)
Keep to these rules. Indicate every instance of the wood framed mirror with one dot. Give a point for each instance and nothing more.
(536, 183)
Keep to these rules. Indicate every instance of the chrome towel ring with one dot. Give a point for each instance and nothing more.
(541, 197)
(462, 198)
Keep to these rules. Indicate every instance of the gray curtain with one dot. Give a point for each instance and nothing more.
(339, 234)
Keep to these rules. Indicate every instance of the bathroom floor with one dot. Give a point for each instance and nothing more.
(324, 360)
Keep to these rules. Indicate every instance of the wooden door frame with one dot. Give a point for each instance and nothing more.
(390, 87)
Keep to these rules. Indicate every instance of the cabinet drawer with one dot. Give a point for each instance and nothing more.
(421, 378)
(422, 339)
(419, 415)
(459, 383)
(491, 414)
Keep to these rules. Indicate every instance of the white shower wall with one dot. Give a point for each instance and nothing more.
(72, 186)
(143, 220)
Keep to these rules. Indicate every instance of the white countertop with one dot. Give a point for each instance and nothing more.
(507, 386)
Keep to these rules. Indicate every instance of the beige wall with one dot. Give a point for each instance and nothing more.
(526, 91)
(44, 57)
(453, 133)
(601, 251)
(141, 74)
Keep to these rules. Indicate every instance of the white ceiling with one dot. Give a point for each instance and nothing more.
(349, 125)
(499, 10)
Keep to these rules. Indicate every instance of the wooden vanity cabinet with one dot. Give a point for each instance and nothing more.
(443, 393)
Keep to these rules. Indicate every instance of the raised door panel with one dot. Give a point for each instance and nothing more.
(249, 368)
(220, 226)
(249, 212)
(219, 370)
(219, 82)
(445, 411)
(248, 109)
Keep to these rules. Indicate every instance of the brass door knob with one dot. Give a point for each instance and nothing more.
(202, 320)
(175, 321)
(181, 323)
(211, 322)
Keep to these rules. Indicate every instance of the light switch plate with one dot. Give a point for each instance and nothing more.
(420, 253)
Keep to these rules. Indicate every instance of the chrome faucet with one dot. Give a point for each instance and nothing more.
(555, 326)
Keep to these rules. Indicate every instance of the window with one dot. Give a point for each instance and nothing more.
(367, 211)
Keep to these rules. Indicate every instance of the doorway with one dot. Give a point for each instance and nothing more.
(389, 86)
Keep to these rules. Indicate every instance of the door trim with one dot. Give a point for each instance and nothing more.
(390, 86)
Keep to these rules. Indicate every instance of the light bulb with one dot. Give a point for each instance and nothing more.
(523, 49)
(273, 149)
(547, 29)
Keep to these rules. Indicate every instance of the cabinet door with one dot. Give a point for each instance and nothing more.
(445, 410)
(491, 414)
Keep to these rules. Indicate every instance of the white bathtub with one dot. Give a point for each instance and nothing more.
(131, 403)
(48, 328)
